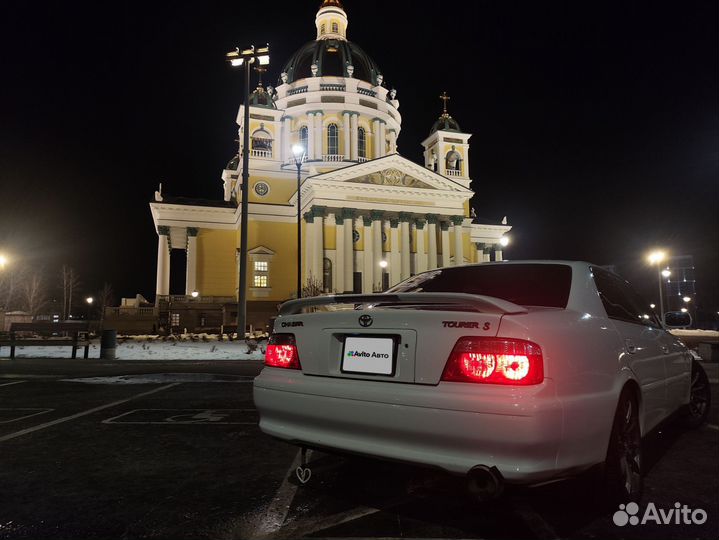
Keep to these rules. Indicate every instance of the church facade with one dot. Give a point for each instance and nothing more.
(370, 218)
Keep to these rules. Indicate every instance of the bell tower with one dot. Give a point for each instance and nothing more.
(446, 149)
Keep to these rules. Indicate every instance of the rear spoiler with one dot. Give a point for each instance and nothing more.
(472, 302)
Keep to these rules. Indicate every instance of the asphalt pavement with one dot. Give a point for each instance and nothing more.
(94, 449)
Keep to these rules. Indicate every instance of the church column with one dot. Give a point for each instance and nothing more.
(347, 281)
(432, 246)
(392, 141)
(487, 256)
(339, 268)
(318, 254)
(286, 150)
(498, 252)
(191, 254)
(478, 252)
(367, 267)
(308, 246)
(163, 261)
(395, 265)
(346, 127)
(318, 135)
(310, 136)
(421, 258)
(444, 236)
(404, 246)
(458, 240)
(354, 153)
(375, 138)
(382, 139)
(377, 270)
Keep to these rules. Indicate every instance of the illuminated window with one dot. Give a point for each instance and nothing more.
(322, 29)
(333, 139)
(303, 137)
(335, 27)
(361, 143)
(261, 279)
(175, 319)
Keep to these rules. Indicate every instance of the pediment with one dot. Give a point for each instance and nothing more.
(393, 170)
(391, 177)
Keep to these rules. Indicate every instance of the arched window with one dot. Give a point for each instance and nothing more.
(335, 28)
(333, 140)
(261, 139)
(322, 28)
(361, 143)
(453, 160)
(304, 137)
(327, 275)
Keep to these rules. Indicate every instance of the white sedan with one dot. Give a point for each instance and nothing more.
(513, 372)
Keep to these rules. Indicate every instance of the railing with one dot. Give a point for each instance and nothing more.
(454, 172)
(199, 299)
(362, 159)
(130, 312)
(333, 87)
(366, 92)
(333, 158)
(261, 153)
(298, 90)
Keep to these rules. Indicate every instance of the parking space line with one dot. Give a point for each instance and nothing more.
(83, 413)
(11, 383)
(201, 416)
(37, 410)
(274, 517)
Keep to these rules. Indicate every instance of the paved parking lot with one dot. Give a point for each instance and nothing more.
(92, 449)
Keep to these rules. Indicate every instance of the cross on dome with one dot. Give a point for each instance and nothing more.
(445, 98)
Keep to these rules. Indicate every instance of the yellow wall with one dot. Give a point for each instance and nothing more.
(330, 235)
(281, 189)
(216, 262)
(282, 239)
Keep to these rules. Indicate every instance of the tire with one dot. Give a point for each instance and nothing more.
(699, 397)
(623, 481)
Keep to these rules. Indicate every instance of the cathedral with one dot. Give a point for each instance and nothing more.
(370, 218)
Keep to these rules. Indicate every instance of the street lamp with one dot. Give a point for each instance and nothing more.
(656, 257)
(383, 264)
(504, 241)
(238, 58)
(89, 301)
(194, 294)
(299, 152)
(3, 261)
(687, 299)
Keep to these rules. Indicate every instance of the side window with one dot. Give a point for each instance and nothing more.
(620, 301)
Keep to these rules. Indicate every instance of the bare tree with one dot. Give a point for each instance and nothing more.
(8, 289)
(70, 288)
(33, 293)
(312, 287)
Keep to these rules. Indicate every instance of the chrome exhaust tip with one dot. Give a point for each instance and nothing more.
(485, 483)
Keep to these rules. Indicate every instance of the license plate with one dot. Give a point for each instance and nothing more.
(368, 355)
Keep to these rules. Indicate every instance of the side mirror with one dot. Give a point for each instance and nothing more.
(677, 319)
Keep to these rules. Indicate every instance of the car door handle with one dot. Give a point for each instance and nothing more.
(664, 348)
(629, 346)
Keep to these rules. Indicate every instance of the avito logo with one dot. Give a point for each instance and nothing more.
(365, 354)
(679, 515)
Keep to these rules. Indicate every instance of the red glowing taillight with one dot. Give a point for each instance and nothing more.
(495, 361)
(282, 352)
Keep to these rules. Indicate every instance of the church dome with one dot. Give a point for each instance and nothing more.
(446, 123)
(333, 58)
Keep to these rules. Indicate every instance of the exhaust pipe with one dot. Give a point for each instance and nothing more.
(485, 483)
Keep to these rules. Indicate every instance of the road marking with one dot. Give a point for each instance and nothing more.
(23, 416)
(712, 426)
(183, 416)
(11, 383)
(273, 519)
(83, 413)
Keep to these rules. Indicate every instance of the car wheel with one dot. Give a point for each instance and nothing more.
(699, 397)
(623, 466)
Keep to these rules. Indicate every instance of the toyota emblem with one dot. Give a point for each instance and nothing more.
(365, 321)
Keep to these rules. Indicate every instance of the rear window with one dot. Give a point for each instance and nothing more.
(545, 285)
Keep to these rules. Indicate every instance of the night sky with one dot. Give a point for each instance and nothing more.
(595, 124)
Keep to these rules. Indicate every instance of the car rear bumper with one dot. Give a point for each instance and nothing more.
(453, 426)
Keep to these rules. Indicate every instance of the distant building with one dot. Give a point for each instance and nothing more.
(370, 217)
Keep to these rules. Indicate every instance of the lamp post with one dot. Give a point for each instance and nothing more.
(298, 151)
(656, 257)
(89, 301)
(237, 58)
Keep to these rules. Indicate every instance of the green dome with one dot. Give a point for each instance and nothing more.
(446, 123)
(332, 56)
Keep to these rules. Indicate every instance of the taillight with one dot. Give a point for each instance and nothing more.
(495, 361)
(282, 352)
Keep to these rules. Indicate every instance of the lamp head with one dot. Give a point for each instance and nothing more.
(656, 257)
(504, 241)
(298, 150)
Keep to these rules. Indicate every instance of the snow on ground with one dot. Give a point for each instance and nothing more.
(186, 347)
